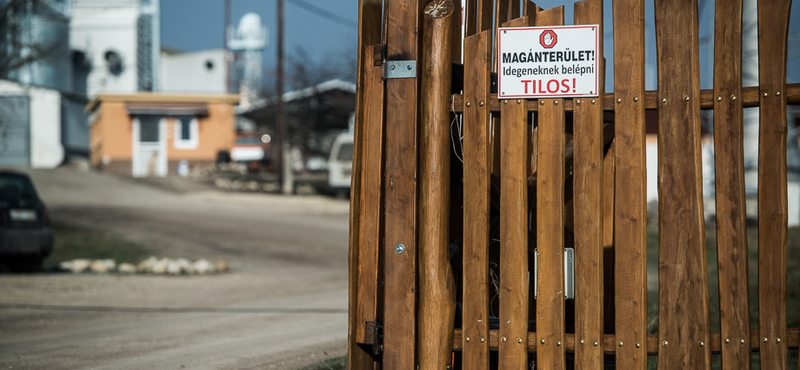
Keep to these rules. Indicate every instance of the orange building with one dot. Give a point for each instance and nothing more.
(147, 134)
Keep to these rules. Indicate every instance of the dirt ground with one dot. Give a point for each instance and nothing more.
(282, 306)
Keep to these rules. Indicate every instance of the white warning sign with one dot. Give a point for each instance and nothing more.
(548, 62)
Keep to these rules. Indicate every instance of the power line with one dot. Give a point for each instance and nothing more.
(325, 14)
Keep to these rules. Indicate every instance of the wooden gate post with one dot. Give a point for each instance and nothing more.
(436, 311)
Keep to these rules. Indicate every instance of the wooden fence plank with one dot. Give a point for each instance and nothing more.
(369, 33)
(630, 213)
(730, 195)
(773, 23)
(436, 311)
(485, 15)
(608, 240)
(470, 19)
(400, 189)
(549, 221)
(588, 201)
(683, 314)
(515, 132)
(369, 192)
(477, 183)
(457, 33)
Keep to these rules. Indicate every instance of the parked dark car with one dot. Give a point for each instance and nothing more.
(26, 237)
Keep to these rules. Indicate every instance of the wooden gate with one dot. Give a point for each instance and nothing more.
(455, 194)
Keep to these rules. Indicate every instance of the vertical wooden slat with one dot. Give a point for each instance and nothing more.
(630, 216)
(369, 33)
(549, 218)
(458, 27)
(485, 15)
(513, 353)
(400, 189)
(470, 18)
(588, 201)
(683, 314)
(477, 183)
(436, 312)
(369, 193)
(514, 10)
(730, 194)
(500, 18)
(773, 25)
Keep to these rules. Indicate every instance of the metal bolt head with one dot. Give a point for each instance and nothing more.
(635, 99)
(481, 104)
(595, 343)
(741, 341)
(519, 340)
(764, 339)
(638, 345)
(505, 101)
(483, 340)
(777, 340)
(399, 248)
(468, 104)
(503, 339)
(701, 344)
(519, 101)
(664, 101)
(466, 339)
(777, 93)
(447, 367)
(542, 341)
(619, 343)
(664, 343)
(765, 95)
(581, 342)
(409, 67)
(593, 101)
(733, 97)
(577, 102)
(727, 340)
(541, 102)
(619, 100)
(392, 67)
(555, 102)
(719, 98)
(686, 98)
(558, 343)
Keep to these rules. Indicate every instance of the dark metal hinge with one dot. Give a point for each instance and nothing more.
(374, 336)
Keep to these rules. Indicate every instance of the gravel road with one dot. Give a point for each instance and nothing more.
(282, 306)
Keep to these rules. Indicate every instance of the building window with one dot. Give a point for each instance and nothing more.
(186, 133)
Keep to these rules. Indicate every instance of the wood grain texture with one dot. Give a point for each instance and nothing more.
(730, 194)
(513, 314)
(773, 25)
(369, 33)
(588, 202)
(608, 239)
(401, 19)
(683, 314)
(549, 221)
(630, 213)
(436, 309)
(477, 183)
(370, 192)
(456, 34)
(485, 15)
(470, 19)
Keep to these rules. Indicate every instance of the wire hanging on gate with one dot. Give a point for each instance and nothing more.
(459, 126)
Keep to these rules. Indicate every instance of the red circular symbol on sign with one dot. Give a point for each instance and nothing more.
(548, 39)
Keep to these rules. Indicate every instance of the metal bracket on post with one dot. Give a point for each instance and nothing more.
(569, 273)
(374, 336)
(400, 69)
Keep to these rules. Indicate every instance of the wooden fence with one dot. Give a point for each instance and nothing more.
(441, 253)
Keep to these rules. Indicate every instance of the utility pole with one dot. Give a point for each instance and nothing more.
(284, 159)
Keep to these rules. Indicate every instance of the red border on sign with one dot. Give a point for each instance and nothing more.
(548, 96)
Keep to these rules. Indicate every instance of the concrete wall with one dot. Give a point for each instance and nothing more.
(45, 123)
(196, 72)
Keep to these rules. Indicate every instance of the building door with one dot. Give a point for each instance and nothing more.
(15, 125)
(149, 149)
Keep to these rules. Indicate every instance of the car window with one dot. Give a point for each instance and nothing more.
(345, 152)
(13, 186)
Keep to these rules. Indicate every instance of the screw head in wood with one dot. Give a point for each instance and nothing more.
(764, 339)
(777, 340)
(481, 104)
(593, 101)
(542, 341)
(468, 104)
(392, 67)
(503, 339)
(719, 98)
(686, 98)
(619, 100)
(595, 343)
(519, 101)
(777, 93)
(558, 343)
(466, 339)
(581, 342)
(483, 340)
(541, 102)
(519, 340)
(577, 102)
(663, 100)
(727, 340)
(664, 343)
(733, 97)
(619, 343)
(555, 102)
(399, 248)
(635, 99)
(638, 345)
(505, 101)
(447, 367)
(741, 341)
(765, 95)
(701, 344)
